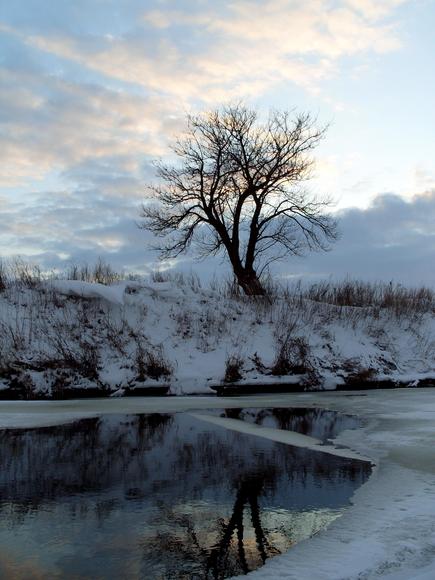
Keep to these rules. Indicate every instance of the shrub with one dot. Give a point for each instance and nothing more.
(3, 276)
(356, 373)
(260, 367)
(184, 324)
(116, 334)
(82, 357)
(292, 357)
(358, 294)
(156, 366)
(27, 275)
(233, 369)
(160, 276)
(150, 363)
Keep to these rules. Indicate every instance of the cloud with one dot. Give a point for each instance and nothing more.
(53, 116)
(312, 27)
(374, 9)
(392, 239)
(75, 226)
(49, 124)
(212, 51)
(86, 100)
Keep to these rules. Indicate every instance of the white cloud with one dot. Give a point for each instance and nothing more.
(374, 9)
(97, 139)
(240, 48)
(208, 54)
(50, 124)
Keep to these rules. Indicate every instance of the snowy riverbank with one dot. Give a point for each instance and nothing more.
(67, 338)
(388, 532)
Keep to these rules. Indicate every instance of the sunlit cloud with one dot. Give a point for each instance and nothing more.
(60, 124)
(239, 50)
(239, 47)
(374, 9)
(89, 104)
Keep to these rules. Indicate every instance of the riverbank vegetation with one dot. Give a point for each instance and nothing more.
(91, 331)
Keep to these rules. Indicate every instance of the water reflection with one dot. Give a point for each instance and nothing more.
(318, 423)
(160, 496)
(247, 495)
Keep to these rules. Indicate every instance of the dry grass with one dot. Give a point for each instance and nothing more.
(149, 362)
(397, 299)
(101, 272)
(40, 328)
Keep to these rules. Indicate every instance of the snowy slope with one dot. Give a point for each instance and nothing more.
(67, 334)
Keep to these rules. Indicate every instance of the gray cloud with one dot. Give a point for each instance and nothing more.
(91, 91)
(393, 239)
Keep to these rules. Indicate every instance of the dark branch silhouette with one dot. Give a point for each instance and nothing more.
(239, 189)
(248, 493)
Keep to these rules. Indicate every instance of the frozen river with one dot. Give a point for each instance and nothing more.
(388, 532)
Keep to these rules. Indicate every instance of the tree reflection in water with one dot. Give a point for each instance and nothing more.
(163, 496)
(247, 496)
(319, 423)
(233, 552)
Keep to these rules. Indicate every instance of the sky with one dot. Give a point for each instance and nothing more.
(92, 91)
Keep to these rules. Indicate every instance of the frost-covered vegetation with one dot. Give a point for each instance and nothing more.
(92, 331)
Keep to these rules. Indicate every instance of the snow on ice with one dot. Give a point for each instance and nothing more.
(389, 530)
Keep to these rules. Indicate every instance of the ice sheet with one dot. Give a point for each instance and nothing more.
(388, 532)
(279, 435)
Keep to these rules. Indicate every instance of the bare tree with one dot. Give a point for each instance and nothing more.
(238, 188)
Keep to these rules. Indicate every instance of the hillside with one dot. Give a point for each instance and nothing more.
(64, 337)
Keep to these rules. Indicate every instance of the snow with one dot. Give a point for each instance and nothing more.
(387, 533)
(280, 435)
(195, 330)
(114, 293)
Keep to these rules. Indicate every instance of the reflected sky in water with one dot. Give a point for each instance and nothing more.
(165, 495)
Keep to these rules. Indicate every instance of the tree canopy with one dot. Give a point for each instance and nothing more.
(239, 187)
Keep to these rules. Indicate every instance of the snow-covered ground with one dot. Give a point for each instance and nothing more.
(388, 532)
(66, 334)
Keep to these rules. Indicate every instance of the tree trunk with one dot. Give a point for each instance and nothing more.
(249, 282)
